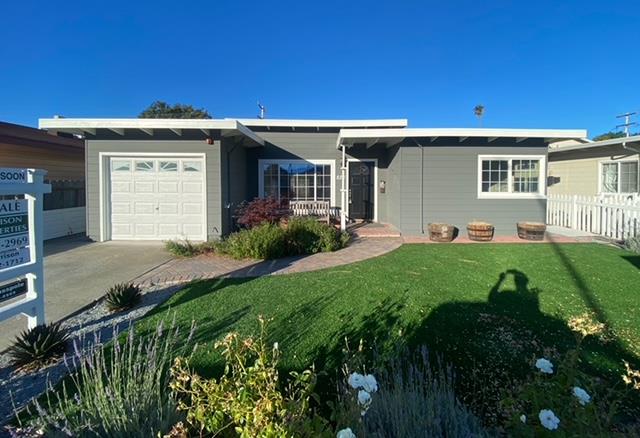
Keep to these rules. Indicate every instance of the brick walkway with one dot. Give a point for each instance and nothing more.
(181, 270)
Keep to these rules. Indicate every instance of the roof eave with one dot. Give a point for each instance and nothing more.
(89, 126)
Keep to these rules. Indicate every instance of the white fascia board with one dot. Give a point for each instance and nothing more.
(149, 124)
(308, 123)
(360, 135)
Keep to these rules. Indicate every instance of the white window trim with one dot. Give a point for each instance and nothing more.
(542, 183)
(332, 163)
(618, 162)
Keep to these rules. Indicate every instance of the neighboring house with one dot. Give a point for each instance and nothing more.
(63, 159)
(163, 179)
(598, 168)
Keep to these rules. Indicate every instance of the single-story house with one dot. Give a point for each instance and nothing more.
(63, 159)
(172, 178)
(599, 168)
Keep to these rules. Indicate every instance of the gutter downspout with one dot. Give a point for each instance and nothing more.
(343, 189)
(421, 185)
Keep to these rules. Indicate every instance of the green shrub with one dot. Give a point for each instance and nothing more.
(270, 241)
(266, 241)
(309, 236)
(633, 244)
(408, 397)
(122, 296)
(118, 389)
(249, 400)
(187, 248)
(38, 346)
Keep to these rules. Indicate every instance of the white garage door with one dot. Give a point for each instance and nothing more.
(157, 198)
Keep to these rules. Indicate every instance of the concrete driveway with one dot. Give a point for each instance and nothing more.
(78, 271)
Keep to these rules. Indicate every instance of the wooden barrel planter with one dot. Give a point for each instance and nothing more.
(480, 231)
(441, 232)
(531, 230)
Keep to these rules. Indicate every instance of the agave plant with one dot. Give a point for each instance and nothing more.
(38, 346)
(122, 296)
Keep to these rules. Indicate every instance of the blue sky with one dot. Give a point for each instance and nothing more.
(537, 64)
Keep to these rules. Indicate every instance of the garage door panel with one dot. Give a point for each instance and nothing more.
(121, 207)
(145, 186)
(147, 208)
(191, 208)
(121, 229)
(168, 208)
(120, 187)
(192, 229)
(162, 198)
(168, 230)
(168, 186)
(191, 187)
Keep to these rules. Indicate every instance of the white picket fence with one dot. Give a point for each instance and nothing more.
(616, 217)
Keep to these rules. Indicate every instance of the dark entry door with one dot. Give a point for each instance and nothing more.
(361, 190)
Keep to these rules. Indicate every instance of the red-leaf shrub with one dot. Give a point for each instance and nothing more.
(261, 210)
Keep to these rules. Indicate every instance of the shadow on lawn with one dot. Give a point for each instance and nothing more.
(634, 260)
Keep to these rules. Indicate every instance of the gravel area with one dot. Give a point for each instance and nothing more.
(96, 322)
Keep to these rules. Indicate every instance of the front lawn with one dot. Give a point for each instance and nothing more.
(487, 309)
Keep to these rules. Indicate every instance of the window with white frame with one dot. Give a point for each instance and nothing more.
(296, 180)
(619, 177)
(501, 176)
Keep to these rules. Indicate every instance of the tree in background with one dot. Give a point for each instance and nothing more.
(162, 110)
(478, 110)
(610, 135)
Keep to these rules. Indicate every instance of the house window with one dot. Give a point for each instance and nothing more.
(619, 177)
(297, 180)
(503, 176)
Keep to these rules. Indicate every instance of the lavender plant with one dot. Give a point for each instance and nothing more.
(117, 389)
(408, 397)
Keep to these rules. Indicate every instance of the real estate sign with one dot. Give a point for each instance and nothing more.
(13, 289)
(10, 175)
(21, 266)
(14, 233)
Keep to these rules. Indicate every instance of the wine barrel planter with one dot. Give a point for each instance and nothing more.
(531, 230)
(480, 231)
(441, 232)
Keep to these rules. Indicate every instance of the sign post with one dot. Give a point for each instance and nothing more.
(21, 256)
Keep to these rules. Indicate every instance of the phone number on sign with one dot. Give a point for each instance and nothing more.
(14, 242)
(14, 257)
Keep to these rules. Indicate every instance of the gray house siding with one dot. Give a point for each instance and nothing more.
(213, 169)
(449, 191)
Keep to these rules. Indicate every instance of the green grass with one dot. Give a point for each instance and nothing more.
(443, 296)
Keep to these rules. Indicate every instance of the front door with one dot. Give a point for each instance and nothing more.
(361, 190)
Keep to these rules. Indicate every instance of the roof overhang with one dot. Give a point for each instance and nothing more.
(336, 124)
(390, 137)
(228, 128)
(631, 142)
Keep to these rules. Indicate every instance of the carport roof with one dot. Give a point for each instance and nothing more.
(349, 137)
(228, 128)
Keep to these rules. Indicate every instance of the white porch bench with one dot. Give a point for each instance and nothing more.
(319, 209)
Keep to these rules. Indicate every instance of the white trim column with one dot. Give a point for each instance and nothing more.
(343, 189)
